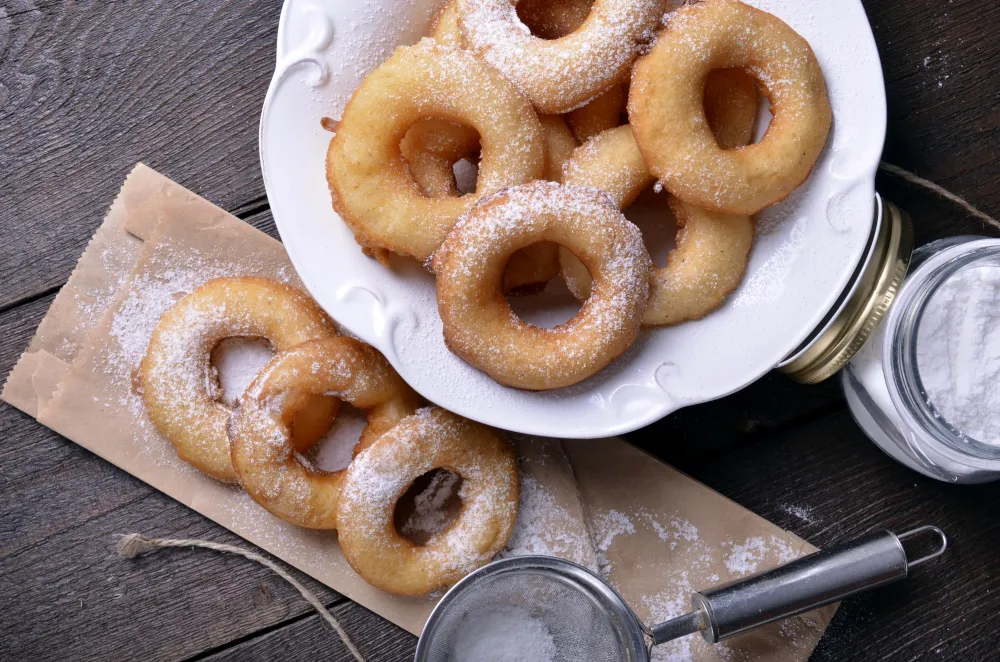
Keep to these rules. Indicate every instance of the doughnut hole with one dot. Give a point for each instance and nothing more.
(236, 361)
(429, 506)
(733, 108)
(552, 19)
(335, 448)
(547, 307)
(442, 157)
(764, 118)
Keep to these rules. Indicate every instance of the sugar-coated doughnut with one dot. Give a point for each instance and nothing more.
(600, 114)
(530, 268)
(268, 468)
(479, 325)
(712, 248)
(668, 117)
(430, 439)
(370, 182)
(546, 19)
(561, 74)
(179, 389)
(432, 146)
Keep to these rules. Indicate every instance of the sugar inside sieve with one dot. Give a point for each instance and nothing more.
(542, 608)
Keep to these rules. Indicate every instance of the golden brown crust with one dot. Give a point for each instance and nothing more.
(667, 112)
(430, 439)
(602, 113)
(432, 147)
(261, 451)
(369, 179)
(479, 325)
(712, 248)
(177, 386)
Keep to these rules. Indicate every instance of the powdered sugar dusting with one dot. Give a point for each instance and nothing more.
(237, 361)
(521, 215)
(606, 527)
(375, 481)
(541, 527)
(502, 633)
(335, 449)
(563, 74)
(429, 516)
(744, 558)
(804, 513)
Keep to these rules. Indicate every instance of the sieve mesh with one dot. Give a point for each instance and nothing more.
(522, 611)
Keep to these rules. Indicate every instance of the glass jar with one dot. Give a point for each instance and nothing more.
(887, 382)
(885, 338)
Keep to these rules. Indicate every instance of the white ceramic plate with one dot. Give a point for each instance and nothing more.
(806, 249)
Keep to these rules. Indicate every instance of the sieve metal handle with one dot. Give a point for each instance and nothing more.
(813, 581)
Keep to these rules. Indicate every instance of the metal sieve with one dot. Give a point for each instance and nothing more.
(588, 620)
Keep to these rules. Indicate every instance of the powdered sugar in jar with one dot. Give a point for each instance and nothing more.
(926, 385)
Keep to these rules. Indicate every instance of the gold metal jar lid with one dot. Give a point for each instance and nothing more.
(864, 303)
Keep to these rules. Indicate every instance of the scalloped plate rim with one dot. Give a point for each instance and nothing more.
(567, 426)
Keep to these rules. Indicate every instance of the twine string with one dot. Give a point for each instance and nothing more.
(940, 191)
(133, 545)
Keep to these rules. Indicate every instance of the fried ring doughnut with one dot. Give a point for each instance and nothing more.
(712, 248)
(559, 75)
(430, 439)
(479, 325)
(546, 19)
(532, 267)
(602, 113)
(432, 146)
(261, 451)
(369, 179)
(175, 374)
(667, 112)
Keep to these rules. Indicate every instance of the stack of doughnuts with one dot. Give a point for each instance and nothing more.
(571, 108)
(291, 404)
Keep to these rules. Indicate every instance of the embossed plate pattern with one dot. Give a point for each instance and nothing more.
(805, 251)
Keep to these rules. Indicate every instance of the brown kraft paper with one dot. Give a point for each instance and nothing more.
(655, 533)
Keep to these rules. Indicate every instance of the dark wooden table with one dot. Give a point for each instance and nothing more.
(87, 88)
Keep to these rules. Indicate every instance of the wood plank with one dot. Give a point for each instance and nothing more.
(310, 639)
(827, 482)
(941, 63)
(63, 588)
(89, 88)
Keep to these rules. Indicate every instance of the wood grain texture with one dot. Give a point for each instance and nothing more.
(87, 89)
(62, 585)
(65, 593)
(941, 62)
(309, 639)
(826, 482)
